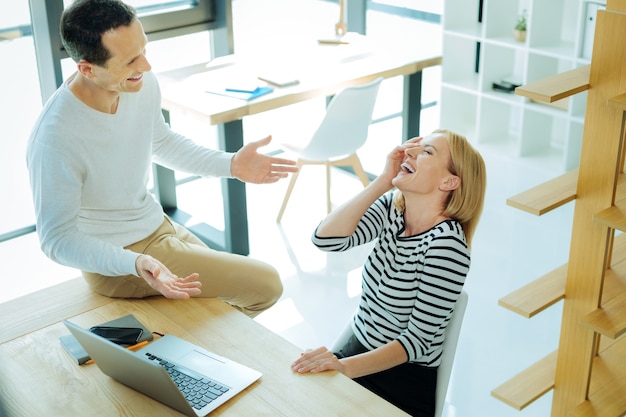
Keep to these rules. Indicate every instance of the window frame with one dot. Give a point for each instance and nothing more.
(167, 19)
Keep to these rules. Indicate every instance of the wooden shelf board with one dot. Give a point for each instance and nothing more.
(529, 385)
(547, 196)
(614, 216)
(610, 318)
(607, 387)
(558, 87)
(619, 102)
(538, 295)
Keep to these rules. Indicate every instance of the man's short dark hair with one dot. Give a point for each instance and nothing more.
(85, 21)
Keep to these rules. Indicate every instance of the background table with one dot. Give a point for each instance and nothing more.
(322, 70)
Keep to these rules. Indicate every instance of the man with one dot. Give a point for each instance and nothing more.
(89, 158)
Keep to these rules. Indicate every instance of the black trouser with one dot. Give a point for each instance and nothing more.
(409, 386)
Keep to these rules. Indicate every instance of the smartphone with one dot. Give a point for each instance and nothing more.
(119, 335)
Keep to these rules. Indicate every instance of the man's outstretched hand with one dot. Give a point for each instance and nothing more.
(250, 166)
(161, 279)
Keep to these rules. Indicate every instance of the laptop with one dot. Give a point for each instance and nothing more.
(166, 367)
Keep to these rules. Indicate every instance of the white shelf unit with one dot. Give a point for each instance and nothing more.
(479, 49)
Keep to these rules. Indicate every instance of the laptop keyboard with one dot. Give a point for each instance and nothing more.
(197, 389)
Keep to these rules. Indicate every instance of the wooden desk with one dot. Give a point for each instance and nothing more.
(322, 70)
(63, 388)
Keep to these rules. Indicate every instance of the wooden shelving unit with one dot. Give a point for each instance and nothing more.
(587, 373)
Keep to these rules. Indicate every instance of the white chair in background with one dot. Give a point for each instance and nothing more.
(447, 357)
(341, 133)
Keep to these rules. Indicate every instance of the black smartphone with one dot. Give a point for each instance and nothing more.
(119, 335)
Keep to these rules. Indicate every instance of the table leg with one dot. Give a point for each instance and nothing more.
(412, 105)
(234, 237)
(230, 139)
(356, 13)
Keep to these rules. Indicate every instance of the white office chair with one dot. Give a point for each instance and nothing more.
(449, 350)
(341, 133)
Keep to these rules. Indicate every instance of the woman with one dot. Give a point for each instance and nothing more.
(414, 274)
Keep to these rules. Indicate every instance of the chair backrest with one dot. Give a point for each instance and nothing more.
(449, 350)
(345, 126)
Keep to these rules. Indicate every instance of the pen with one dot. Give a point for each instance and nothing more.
(133, 347)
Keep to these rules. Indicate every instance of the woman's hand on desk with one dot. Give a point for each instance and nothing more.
(250, 166)
(317, 360)
(164, 281)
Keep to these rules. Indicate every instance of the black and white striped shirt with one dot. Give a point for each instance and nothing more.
(410, 284)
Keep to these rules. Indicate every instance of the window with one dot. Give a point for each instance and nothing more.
(42, 59)
(19, 107)
(159, 18)
(163, 19)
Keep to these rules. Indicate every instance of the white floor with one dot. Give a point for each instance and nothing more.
(321, 290)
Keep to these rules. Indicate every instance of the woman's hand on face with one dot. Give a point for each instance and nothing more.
(317, 360)
(395, 158)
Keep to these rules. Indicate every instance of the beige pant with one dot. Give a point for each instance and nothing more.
(247, 284)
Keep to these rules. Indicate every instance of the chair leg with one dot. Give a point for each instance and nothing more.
(328, 205)
(358, 169)
(292, 182)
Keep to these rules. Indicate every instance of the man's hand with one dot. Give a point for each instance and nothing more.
(161, 279)
(250, 166)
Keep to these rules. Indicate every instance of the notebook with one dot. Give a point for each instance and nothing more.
(154, 369)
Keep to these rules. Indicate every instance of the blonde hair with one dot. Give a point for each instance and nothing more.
(465, 203)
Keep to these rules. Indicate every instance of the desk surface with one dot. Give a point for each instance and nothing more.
(322, 70)
(64, 388)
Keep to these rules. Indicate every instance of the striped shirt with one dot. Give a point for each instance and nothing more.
(410, 284)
